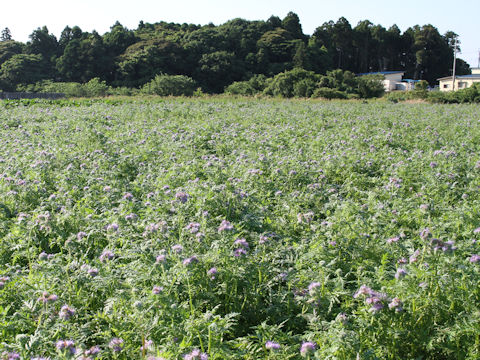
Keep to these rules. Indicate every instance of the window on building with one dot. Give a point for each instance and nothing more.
(462, 85)
(445, 86)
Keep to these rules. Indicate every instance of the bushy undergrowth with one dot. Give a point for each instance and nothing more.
(170, 85)
(336, 84)
(221, 229)
(468, 95)
(93, 88)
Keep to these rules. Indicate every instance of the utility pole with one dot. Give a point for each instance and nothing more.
(454, 63)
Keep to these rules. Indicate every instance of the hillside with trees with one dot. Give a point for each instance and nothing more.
(218, 56)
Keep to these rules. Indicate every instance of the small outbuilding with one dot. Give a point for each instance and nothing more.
(392, 80)
(461, 81)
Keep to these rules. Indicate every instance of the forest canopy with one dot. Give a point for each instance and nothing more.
(215, 57)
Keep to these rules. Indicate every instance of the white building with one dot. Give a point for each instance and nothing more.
(461, 81)
(393, 80)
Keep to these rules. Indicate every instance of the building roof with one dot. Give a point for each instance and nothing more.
(382, 73)
(474, 76)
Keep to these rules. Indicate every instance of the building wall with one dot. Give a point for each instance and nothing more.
(404, 86)
(394, 77)
(446, 85)
(389, 85)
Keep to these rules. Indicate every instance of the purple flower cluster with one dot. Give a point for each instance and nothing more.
(265, 238)
(190, 260)
(425, 234)
(393, 240)
(106, 255)
(196, 354)
(271, 345)
(147, 345)
(225, 226)
(10, 355)
(182, 197)
(128, 196)
(92, 272)
(414, 257)
(307, 347)
(305, 218)
(212, 273)
(445, 246)
(46, 297)
(377, 300)
(157, 290)
(93, 351)
(116, 344)
(177, 248)
(66, 312)
(112, 227)
(67, 346)
(313, 286)
(241, 243)
(401, 273)
(3, 281)
(242, 247)
(193, 227)
(396, 304)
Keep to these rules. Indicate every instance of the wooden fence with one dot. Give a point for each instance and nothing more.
(25, 95)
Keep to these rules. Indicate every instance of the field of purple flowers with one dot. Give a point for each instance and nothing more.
(239, 229)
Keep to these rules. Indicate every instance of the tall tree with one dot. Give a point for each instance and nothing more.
(6, 35)
(118, 39)
(22, 69)
(343, 41)
(217, 70)
(45, 44)
(10, 48)
(393, 48)
(291, 23)
(433, 54)
(68, 34)
(145, 59)
(84, 59)
(363, 43)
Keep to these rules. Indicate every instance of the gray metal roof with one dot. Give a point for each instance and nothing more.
(474, 76)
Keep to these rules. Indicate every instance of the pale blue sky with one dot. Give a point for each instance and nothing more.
(461, 16)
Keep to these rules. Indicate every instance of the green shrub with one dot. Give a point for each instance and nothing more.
(422, 85)
(304, 87)
(95, 87)
(396, 96)
(240, 88)
(328, 93)
(253, 86)
(468, 95)
(170, 85)
(370, 86)
(70, 89)
(123, 91)
(344, 81)
(296, 82)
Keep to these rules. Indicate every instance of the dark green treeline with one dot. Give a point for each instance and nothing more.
(216, 56)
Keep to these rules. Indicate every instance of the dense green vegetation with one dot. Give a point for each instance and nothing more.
(468, 95)
(220, 228)
(214, 57)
